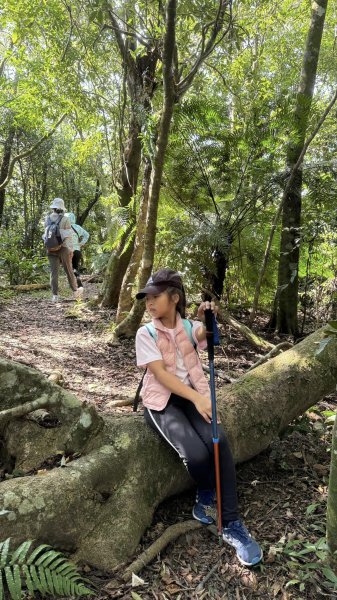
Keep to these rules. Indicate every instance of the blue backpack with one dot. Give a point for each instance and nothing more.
(152, 331)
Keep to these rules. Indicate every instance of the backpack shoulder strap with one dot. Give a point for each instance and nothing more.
(188, 328)
(73, 228)
(137, 394)
(152, 331)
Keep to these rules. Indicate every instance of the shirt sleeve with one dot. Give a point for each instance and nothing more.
(195, 326)
(84, 235)
(146, 348)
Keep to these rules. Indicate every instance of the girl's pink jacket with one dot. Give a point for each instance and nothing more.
(154, 394)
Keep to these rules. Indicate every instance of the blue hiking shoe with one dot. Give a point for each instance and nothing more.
(204, 508)
(247, 549)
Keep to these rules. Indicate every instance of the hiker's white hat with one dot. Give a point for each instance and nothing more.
(58, 203)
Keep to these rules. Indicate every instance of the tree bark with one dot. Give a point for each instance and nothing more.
(125, 296)
(140, 75)
(99, 504)
(287, 290)
(174, 89)
(4, 170)
(130, 324)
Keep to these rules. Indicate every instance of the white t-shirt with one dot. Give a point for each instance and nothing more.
(148, 351)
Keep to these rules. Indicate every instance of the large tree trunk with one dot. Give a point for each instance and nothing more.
(140, 77)
(101, 502)
(287, 291)
(125, 296)
(4, 170)
(120, 256)
(130, 324)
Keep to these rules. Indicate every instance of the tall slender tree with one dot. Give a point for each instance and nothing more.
(285, 317)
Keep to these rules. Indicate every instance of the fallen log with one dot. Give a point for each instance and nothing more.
(98, 506)
(224, 316)
(27, 287)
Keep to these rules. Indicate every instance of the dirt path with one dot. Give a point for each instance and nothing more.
(68, 337)
(282, 492)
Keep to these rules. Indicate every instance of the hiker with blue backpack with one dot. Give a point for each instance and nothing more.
(80, 238)
(58, 241)
(177, 404)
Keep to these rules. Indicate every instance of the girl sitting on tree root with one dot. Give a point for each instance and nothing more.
(176, 399)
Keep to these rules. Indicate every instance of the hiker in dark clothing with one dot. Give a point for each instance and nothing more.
(80, 237)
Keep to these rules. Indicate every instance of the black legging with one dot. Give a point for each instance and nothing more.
(76, 260)
(183, 427)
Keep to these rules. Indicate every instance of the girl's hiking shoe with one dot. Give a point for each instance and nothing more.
(247, 549)
(204, 508)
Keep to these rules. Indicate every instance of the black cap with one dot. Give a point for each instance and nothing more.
(160, 281)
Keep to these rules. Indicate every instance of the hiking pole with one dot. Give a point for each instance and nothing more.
(212, 336)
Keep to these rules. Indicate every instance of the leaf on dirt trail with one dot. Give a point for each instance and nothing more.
(271, 556)
(173, 589)
(136, 580)
(276, 588)
(321, 469)
(192, 551)
(298, 454)
(136, 596)
(255, 482)
(289, 514)
(318, 426)
(42, 472)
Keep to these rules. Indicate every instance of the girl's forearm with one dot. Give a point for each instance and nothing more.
(172, 383)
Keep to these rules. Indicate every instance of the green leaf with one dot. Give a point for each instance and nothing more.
(292, 582)
(1, 587)
(13, 581)
(49, 580)
(43, 579)
(20, 553)
(36, 552)
(136, 596)
(4, 553)
(330, 575)
(28, 580)
(311, 508)
(36, 580)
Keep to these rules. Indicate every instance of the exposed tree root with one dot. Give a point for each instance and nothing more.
(169, 535)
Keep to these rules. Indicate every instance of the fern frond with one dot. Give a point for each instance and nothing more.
(47, 571)
(20, 553)
(36, 552)
(1, 587)
(13, 581)
(28, 580)
(4, 553)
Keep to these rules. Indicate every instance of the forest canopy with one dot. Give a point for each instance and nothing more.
(81, 98)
